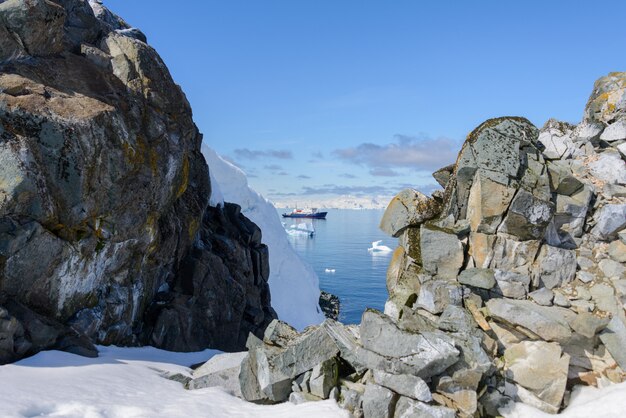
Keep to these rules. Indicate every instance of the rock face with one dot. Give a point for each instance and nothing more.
(522, 268)
(105, 229)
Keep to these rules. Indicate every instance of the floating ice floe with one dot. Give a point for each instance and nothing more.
(376, 248)
(329, 271)
(301, 229)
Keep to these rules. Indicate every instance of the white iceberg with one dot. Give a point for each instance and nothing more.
(376, 248)
(301, 229)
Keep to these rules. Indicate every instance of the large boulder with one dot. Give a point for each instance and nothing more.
(547, 323)
(492, 150)
(408, 208)
(105, 227)
(441, 251)
(425, 354)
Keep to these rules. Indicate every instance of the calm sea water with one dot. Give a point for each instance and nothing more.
(341, 243)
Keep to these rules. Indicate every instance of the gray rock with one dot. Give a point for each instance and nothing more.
(554, 266)
(443, 175)
(378, 402)
(610, 219)
(350, 400)
(556, 139)
(548, 323)
(614, 338)
(585, 276)
(511, 255)
(494, 150)
(221, 370)
(279, 333)
(478, 277)
(511, 284)
(617, 251)
(487, 203)
(543, 296)
(569, 185)
(588, 325)
(561, 300)
(435, 295)
(464, 399)
(527, 217)
(442, 252)
(408, 208)
(409, 408)
(298, 398)
(605, 103)
(616, 131)
(610, 190)
(603, 294)
(570, 216)
(582, 306)
(609, 167)
(611, 268)
(424, 355)
(404, 384)
(323, 378)
(584, 263)
(540, 368)
(456, 319)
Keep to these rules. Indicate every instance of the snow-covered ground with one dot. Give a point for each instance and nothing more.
(127, 383)
(586, 402)
(293, 283)
(340, 202)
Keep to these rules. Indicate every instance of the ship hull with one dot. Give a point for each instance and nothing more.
(319, 215)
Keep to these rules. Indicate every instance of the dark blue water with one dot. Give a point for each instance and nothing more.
(340, 243)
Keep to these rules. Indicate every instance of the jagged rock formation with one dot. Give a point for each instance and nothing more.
(105, 230)
(508, 286)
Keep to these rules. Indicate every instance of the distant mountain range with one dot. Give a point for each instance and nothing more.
(339, 202)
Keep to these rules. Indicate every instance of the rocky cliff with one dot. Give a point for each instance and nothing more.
(509, 285)
(105, 231)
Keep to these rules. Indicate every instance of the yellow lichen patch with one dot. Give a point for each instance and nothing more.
(154, 162)
(152, 229)
(135, 155)
(193, 227)
(184, 177)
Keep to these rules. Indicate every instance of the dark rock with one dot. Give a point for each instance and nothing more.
(330, 305)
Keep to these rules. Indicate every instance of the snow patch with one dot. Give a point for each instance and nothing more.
(127, 382)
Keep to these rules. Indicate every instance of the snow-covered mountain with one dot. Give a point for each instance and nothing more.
(293, 283)
(339, 202)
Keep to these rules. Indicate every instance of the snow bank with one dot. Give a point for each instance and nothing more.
(126, 383)
(607, 402)
(293, 283)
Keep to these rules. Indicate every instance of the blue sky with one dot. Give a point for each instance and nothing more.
(367, 97)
